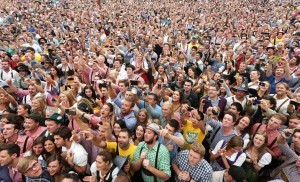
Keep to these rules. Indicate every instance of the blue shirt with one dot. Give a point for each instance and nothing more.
(154, 113)
(175, 150)
(273, 83)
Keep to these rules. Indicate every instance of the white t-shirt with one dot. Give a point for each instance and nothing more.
(240, 160)
(80, 154)
(282, 104)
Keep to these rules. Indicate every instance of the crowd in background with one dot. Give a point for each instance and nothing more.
(137, 90)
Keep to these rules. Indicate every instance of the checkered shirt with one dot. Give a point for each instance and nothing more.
(202, 172)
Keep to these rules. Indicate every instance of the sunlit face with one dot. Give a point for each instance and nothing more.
(142, 117)
(139, 132)
(64, 98)
(54, 167)
(280, 89)
(259, 140)
(49, 146)
(35, 104)
(176, 96)
(38, 149)
(166, 111)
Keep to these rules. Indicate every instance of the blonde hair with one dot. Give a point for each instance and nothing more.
(170, 106)
(198, 148)
(24, 162)
(70, 97)
(43, 106)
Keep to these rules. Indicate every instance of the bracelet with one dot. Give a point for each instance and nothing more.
(82, 115)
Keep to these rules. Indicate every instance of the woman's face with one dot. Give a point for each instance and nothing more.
(217, 77)
(166, 111)
(142, 117)
(105, 111)
(63, 98)
(265, 87)
(38, 149)
(297, 96)
(244, 122)
(176, 96)
(191, 72)
(235, 149)
(88, 93)
(49, 146)
(21, 111)
(3, 98)
(222, 89)
(117, 129)
(139, 132)
(178, 70)
(161, 69)
(100, 164)
(54, 167)
(53, 72)
(258, 140)
(35, 104)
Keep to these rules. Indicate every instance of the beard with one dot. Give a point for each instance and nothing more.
(150, 141)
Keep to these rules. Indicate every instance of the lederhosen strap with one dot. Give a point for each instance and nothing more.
(12, 76)
(117, 149)
(213, 137)
(279, 107)
(156, 160)
(25, 144)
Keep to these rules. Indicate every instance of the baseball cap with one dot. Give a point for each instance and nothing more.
(154, 127)
(55, 117)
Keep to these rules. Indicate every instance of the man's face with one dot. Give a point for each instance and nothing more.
(242, 68)
(104, 92)
(126, 107)
(32, 90)
(128, 94)
(149, 136)
(30, 124)
(187, 86)
(9, 131)
(227, 121)
(151, 99)
(5, 158)
(129, 71)
(59, 141)
(274, 123)
(51, 125)
(280, 89)
(294, 123)
(34, 169)
(296, 139)
(171, 130)
(5, 65)
(254, 76)
(212, 92)
(150, 48)
(194, 158)
(123, 140)
(240, 94)
(279, 72)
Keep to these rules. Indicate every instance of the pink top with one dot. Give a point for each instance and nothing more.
(37, 133)
(15, 175)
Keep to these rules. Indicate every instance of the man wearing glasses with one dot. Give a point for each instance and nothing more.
(32, 169)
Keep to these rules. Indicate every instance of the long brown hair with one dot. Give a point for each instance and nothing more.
(262, 149)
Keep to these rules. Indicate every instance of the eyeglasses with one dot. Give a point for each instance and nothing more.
(35, 165)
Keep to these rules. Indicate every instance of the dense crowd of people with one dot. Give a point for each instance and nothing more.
(137, 90)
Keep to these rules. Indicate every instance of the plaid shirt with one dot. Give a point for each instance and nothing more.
(202, 172)
(44, 177)
(163, 160)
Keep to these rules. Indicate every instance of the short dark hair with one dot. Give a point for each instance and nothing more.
(190, 81)
(174, 123)
(11, 149)
(239, 107)
(64, 132)
(17, 126)
(232, 115)
(126, 130)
